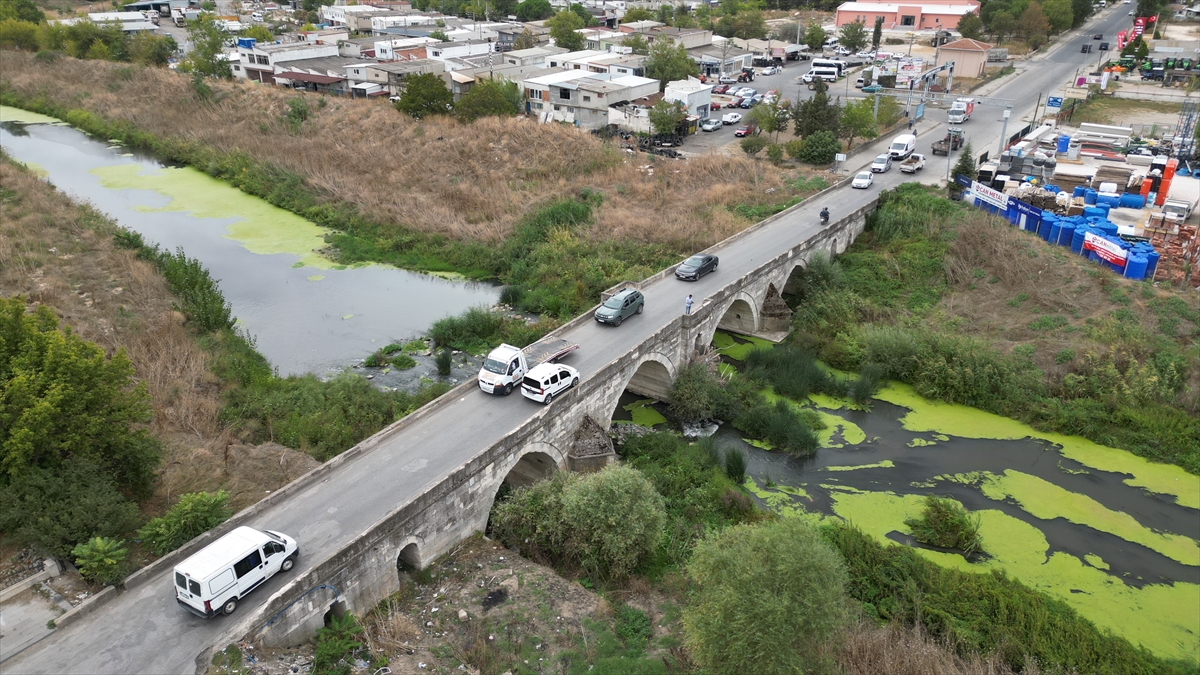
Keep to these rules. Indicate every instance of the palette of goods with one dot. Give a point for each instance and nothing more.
(1180, 253)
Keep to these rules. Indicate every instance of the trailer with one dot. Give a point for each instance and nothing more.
(954, 140)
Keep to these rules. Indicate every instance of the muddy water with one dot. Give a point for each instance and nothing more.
(1114, 536)
(307, 314)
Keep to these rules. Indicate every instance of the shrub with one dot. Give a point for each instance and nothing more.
(633, 627)
(780, 426)
(870, 379)
(735, 465)
(792, 371)
(947, 524)
(697, 394)
(606, 523)
(403, 362)
(768, 598)
(337, 646)
(775, 152)
(194, 514)
(512, 295)
(820, 148)
(444, 360)
(753, 144)
(101, 560)
(793, 148)
(479, 329)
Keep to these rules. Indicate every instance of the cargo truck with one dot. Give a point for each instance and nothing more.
(506, 365)
(961, 110)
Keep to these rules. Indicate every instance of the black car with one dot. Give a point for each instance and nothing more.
(1098, 36)
(1086, 49)
(1103, 46)
(696, 266)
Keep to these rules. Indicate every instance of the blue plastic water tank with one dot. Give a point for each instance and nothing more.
(1089, 197)
(1055, 228)
(1108, 200)
(1132, 200)
(1109, 229)
(1078, 191)
(1044, 229)
(1151, 264)
(1091, 212)
(1064, 141)
(1066, 234)
(1077, 239)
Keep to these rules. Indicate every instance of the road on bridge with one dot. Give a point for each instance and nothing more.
(144, 631)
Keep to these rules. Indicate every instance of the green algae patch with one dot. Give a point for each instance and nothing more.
(728, 346)
(920, 443)
(260, 227)
(452, 276)
(1095, 561)
(316, 277)
(35, 169)
(851, 433)
(761, 445)
(785, 501)
(347, 317)
(967, 422)
(1047, 501)
(1165, 618)
(8, 114)
(643, 414)
(885, 464)
(829, 402)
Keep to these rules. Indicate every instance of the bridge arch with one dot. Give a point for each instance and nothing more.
(535, 462)
(653, 377)
(740, 315)
(409, 557)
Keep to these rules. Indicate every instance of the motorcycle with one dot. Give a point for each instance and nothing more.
(825, 216)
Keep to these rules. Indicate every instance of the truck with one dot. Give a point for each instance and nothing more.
(954, 140)
(506, 365)
(913, 164)
(961, 110)
(1178, 209)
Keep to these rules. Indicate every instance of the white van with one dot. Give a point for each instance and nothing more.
(214, 578)
(257, 17)
(902, 146)
(827, 74)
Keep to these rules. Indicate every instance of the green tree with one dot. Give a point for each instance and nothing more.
(637, 43)
(858, 121)
(21, 10)
(152, 50)
(971, 26)
(965, 165)
(638, 14)
(665, 14)
(583, 14)
(439, 35)
(101, 560)
(525, 40)
(669, 61)
(818, 112)
(771, 118)
(745, 25)
(853, 36)
(208, 49)
(1081, 10)
(1059, 14)
(814, 35)
(562, 30)
(877, 33)
(489, 98)
(1143, 51)
(820, 147)
(258, 32)
(1003, 26)
(665, 116)
(60, 397)
(534, 10)
(425, 94)
(768, 599)
(194, 514)
(752, 145)
(16, 34)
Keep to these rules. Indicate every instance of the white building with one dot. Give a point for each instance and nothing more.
(379, 23)
(582, 98)
(257, 62)
(344, 15)
(695, 96)
(447, 51)
(396, 49)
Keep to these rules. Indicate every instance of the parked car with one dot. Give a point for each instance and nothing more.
(865, 55)
(620, 306)
(710, 124)
(731, 118)
(720, 89)
(746, 92)
(745, 130)
(872, 88)
(882, 163)
(863, 180)
(715, 105)
(842, 51)
(772, 70)
(506, 365)
(734, 102)
(548, 380)
(728, 79)
(1103, 46)
(696, 267)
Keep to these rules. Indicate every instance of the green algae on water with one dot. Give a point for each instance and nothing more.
(966, 422)
(643, 414)
(735, 350)
(920, 443)
(260, 227)
(8, 114)
(316, 277)
(885, 464)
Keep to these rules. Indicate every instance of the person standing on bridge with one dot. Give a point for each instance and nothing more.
(687, 305)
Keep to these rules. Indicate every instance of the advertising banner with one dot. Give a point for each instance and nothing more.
(986, 194)
(1028, 216)
(1108, 251)
(1120, 40)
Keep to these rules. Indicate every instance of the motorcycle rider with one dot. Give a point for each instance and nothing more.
(825, 215)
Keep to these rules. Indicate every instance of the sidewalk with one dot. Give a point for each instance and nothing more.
(26, 618)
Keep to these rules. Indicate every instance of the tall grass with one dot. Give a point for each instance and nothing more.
(792, 372)
(443, 359)
(200, 297)
(735, 465)
(782, 427)
(909, 210)
(945, 523)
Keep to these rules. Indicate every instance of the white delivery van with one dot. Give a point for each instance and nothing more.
(903, 145)
(214, 578)
(506, 365)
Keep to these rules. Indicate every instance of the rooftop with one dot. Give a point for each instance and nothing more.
(931, 8)
(966, 45)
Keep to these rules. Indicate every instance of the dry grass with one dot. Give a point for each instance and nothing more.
(870, 650)
(468, 182)
(60, 254)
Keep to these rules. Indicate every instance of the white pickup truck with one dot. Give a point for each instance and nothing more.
(913, 164)
(506, 365)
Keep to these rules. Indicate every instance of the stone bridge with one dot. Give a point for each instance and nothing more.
(426, 526)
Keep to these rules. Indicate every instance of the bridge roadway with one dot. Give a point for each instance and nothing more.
(143, 630)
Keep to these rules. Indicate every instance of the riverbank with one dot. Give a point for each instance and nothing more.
(558, 213)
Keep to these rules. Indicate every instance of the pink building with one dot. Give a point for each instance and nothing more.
(928, 15)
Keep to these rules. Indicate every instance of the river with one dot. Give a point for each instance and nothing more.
(1113, 535)
(306, 313)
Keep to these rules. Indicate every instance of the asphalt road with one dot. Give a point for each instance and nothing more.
(146, 632)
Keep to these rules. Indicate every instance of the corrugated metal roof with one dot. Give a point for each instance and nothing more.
(305, 77)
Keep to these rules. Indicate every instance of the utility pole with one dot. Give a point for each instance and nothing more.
(1003, 132)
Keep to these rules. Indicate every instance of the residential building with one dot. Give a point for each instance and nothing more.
(721, 57)
(508, 35)
(357, 48)
(382, 23)
(327, 74)
(616, 64)
(695, 96)
(402, 49)
(534, 56)
(447, 51)
(926, 15)
(259, 61)
(969, 57)
(324, 36)
(565, 60)
(393, 75)
(353, 17)
(581, 98)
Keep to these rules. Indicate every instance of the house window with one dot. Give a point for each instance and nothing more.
(908, 20)
(587, 98)
(564, 94)
(263, 60)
